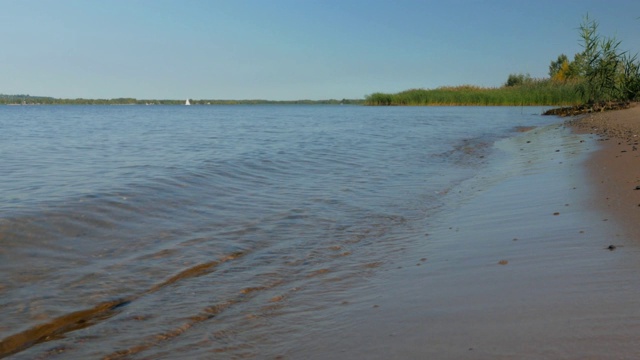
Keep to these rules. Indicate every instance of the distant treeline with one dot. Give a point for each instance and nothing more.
(43, 100)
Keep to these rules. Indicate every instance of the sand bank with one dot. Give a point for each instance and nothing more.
(517, 266)
(615, 168)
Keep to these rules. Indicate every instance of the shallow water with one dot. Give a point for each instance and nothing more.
(516, 266)
(228, 231)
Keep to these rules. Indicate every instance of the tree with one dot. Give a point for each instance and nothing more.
(556, 66)
(518, 79)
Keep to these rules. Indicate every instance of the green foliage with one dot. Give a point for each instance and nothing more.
(608, 73)
(518, 79)
(563, 70)
(556, 66)
(380, 99)
(531, 92)
(629, 79)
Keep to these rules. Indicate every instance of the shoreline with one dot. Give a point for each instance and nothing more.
(518, 266)
(614, 168)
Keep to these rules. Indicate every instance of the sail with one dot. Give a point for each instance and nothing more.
(187, 103)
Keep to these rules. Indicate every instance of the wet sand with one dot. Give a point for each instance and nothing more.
(536, 260)
(615, 168)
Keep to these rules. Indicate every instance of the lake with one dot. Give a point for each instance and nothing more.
(229, 231)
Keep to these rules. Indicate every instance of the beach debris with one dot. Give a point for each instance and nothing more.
(503, 262)
(637, 187)
(611, 247)
(556, 213)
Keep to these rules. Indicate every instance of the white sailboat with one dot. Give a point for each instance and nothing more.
(187, 102)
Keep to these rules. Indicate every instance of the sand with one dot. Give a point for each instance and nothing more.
(538, 259)
(615, 168)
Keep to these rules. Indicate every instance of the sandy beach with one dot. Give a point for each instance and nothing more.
(540, 263)
(615, 168)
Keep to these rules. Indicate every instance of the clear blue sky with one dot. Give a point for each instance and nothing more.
(287, 49)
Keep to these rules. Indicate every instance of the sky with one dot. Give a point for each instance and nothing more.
(288, 49)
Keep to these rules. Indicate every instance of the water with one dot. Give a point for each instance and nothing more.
(226, 231)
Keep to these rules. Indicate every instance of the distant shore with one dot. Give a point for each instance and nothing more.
(45, 100)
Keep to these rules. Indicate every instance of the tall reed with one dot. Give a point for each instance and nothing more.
(540, 92)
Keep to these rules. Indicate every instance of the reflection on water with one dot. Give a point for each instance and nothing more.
(158, 231)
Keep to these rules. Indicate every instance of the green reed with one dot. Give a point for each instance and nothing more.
(539, 92)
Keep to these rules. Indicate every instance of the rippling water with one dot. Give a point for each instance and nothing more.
(153, 232)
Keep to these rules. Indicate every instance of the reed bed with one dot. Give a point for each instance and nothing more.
(543, 92)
